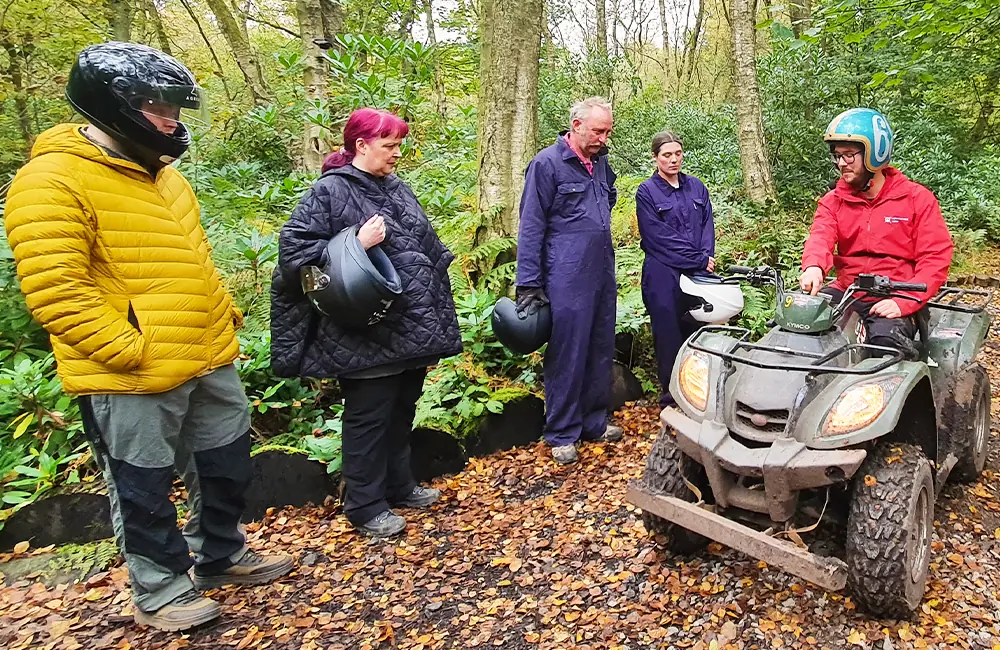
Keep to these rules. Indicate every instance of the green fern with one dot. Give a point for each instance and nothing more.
(490, 250)
(500, 278)
(459, 278)
(468, 263)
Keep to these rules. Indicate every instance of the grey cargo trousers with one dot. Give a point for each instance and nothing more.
(200, 430)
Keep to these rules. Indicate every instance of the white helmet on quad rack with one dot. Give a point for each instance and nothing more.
(710, 300)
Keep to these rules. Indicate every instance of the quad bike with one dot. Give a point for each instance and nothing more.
(808, 424)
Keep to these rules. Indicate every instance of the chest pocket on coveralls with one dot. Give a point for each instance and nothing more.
(670, 214)
(570, 198)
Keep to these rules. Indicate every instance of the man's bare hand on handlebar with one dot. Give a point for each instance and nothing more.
(887, 308)
(811, 280)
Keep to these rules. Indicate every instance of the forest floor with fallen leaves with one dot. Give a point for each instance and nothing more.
(521, 553)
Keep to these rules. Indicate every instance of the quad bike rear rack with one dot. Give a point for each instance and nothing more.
(950, 298)
(817, 366)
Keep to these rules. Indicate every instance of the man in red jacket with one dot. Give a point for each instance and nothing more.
(880, 222)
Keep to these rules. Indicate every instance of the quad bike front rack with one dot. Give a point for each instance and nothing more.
(819, 361)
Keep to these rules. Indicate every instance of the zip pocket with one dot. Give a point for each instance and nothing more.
(132, 319)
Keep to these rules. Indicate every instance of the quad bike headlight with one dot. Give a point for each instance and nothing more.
(693, 380)
(859, 406)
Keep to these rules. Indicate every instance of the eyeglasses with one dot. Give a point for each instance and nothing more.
(848, 158)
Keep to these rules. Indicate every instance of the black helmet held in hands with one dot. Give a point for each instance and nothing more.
(355, 288)
(521, 331)
(117, 85)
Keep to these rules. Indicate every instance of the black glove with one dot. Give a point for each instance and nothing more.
(531, 299)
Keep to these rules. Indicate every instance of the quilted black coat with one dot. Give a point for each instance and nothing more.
(420, 325)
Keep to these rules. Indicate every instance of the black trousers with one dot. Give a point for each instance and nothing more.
(377, 423)
(897, 333)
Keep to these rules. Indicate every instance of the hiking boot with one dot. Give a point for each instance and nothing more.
(384, 524)
(564, 454)
(611, 434)
(421, 497)
(252, 569)
(188, 610)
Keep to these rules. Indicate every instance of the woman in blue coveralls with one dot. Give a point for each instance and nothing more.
(678, 236)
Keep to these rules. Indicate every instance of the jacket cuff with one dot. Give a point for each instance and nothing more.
(529, 284)
(818, 263)
(908, 307)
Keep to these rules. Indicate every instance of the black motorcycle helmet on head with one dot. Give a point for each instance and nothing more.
(118, 87)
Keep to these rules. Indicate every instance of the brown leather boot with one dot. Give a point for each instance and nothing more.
(188, 610)
(252, 569)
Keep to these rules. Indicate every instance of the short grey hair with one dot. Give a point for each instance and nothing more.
(581, 110)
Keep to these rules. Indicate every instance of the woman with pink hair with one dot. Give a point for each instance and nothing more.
(381, 368)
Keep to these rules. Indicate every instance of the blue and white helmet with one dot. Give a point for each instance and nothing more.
(867, 127)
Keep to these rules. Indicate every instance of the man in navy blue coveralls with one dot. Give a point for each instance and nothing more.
(566, 258)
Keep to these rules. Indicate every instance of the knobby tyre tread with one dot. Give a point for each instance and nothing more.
(879, 548)
(662, 476)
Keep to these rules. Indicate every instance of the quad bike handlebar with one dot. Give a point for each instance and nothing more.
(814, 363)
(879, 285)
(864, 285)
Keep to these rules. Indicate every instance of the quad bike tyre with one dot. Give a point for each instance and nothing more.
(889, 528)
(969, 421)
(666, 469)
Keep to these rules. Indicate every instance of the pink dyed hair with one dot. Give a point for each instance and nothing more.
(368, 124)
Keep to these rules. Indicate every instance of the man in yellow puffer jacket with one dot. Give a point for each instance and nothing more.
(115, 265)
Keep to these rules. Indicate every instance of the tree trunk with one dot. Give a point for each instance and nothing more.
(440, 104)
(695, 35)
(508, 110)
(615, 47)
(406, 20)
(240, 16)
(240, 49)
(219, 72)
(120, 19)
(665, 31)
(800, 12)
(333, 19)
(310, 15)
(154, 17)
(601, 38)
(20, 91)
(987, 107)
(757, 176)
(524, 143)
(681, 49)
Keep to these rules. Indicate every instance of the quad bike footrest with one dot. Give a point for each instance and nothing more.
(785, 467)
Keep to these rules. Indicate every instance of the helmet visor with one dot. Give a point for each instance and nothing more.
(182, 103)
